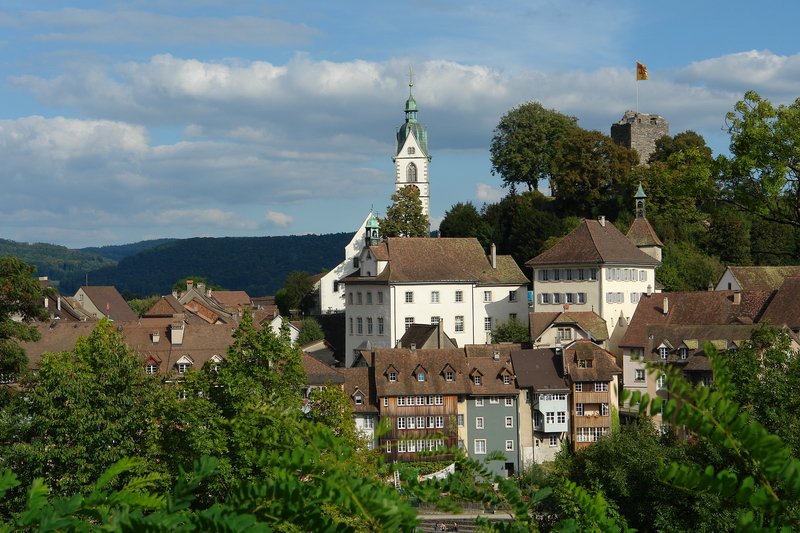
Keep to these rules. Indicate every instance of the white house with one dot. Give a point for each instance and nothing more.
(403, 281)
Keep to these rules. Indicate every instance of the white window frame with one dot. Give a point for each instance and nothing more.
(478, 402)
(509, 445)
(459, 297)
(459, 323)
(409, 297)
(479, 423)
(487, 297)
(509, 402)
(509, 422)
(479, 447)
(434, 297)
(639, 374)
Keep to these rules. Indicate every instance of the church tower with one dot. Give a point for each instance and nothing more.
(411, 158)
(641, 233)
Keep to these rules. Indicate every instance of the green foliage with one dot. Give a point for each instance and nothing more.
(310, 331)
(729, 237)
(464, 220)
(511, 331)
(760, 481)
(405, 218)
(142, 305)
(295, 295)
(591, 174)
(685, 267)
(330, 406)
(182, 284)
(762, 176)
(524, 144)
(55, 262)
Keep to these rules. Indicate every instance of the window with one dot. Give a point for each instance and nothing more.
(480, 446)
(369, 298)
(369, 423)
(544, 298)
(591, 434)
(401, 422)
(487, 296)
(438, 399)
(435, 320)
(380, 297)
(643, 275)
(401, 400)
(509, 445)
(420, 422)
(385, 402)
(557, 298)
(449, 375)
(584, 363)
(410, 422)
(565, 334)
(409, 297)
(420, 376)
(487, 323)
(592, 274)
(569, 298)
(359, 399)
(578, 409)
(380, 325)
(550, 417)
(434, 297)
(553, 441)
(601, 386)
(506, 380)
(392, 376)
(581, 297)
(359, 298)
(663, 352)
(459, 323)
(360, 325)
(459, 296)
(543, 275)
(420, 400)
(151, 368)
(512, 317)
(509, 402)
(411, 150)
(369, 325)
(479, 422)
(351, 325)
(683, 351)
(494, 399)
(662, 381)
(638, 374)
(460, 421)
(409, 321)
(512, 296)
(579, 387)
(478, 402)
(476, 379)
(604, 409)
(509, 421)
(439, 421)
(182, 394)
(355, 264)
(561, 417)
(401, 446)
(411, 173)
(183, 367)
(350, 297)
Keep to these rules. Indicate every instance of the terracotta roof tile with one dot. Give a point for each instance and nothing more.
(541, 369)
(318, 373)
(641, 233)
(784, 309)
(593, 243)
(361, 379)
(110, 302)
(588, 321)
(603, 365)
(762, 278)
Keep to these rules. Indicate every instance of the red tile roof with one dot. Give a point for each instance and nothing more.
(641, 233)
(109, 302)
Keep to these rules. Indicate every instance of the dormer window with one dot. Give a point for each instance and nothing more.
(392, 376)
(476, 379)
(663, 352)
(151, 367)
(420, 376)
(584, 363)
(683, 352)
(183, 367)
(449, 375)
(183, 364)
(506, 380)
(358, 399)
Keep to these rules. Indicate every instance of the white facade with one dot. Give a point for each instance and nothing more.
(728, 282)
(377, 315)
(611, 291)
(411, 168)
(330, 294)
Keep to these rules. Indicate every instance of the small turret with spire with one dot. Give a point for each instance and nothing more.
(641, 233)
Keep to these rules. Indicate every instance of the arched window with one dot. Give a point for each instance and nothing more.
(411, 173)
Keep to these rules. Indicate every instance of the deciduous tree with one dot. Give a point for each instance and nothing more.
(405, 218)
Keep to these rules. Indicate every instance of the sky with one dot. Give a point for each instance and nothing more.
(126, 121)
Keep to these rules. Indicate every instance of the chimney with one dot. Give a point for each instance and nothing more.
(176, 333)
(208, 293)
(665, 306)
(496, 355)
(649, 290)
(737, 298)
(189, 284)
(201, 287)
(58, 304)
(155, 336)
(494, 256)
(46, 302)
(174, 294)
(602, 220)
(441, 333)
(413, 346)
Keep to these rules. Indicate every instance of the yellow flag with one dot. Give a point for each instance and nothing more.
(641, 72)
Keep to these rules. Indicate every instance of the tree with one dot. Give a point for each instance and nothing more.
(680, 143)
(295, 295)
(310, 331)
(524, 144)
(404, 218)
(330, 406)
(591, 174)
(142, 305)
(83, 411)
(729, 237)
(763, 175)
(20, 296)
(463, 220)
(511, 331)
(181, 285)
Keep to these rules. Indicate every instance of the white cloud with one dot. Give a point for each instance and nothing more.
(487, 193)
(204, 217)
(278, 219)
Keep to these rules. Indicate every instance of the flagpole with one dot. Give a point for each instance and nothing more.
(636, 67)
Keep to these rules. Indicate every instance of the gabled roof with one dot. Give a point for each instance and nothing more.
(593, 242)
(360, 379)
(642, 234)
(165, 306)
(540, 369)
(426, 336)
(784, 308)
(762, 278)
(109, 302)
(694, 308)
(443, 259)
(318, 373)
(588, 321)
(492, 370)
(604, 365)
(231, 300)
(405, 361)
(693, 337)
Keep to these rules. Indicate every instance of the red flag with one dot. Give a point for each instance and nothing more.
(641, 72)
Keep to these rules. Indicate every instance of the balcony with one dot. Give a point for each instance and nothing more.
(591, 421)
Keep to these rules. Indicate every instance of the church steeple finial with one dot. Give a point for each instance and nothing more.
(410, 79)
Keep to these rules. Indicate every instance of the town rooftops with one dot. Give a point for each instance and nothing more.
(585, 361)
(588, 321)
(109, 302)
(540, 369)
(443, 259)
(642, 234)
(784, 308)
(426, 336)
(593, 242)
(762, 278)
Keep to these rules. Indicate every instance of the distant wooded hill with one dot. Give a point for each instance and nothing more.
(258, 265)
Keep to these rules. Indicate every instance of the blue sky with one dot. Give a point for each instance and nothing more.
(123, 121)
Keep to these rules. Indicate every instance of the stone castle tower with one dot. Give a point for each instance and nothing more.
(640, 132)
(411, 158)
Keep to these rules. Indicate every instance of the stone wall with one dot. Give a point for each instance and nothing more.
(640, 132)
